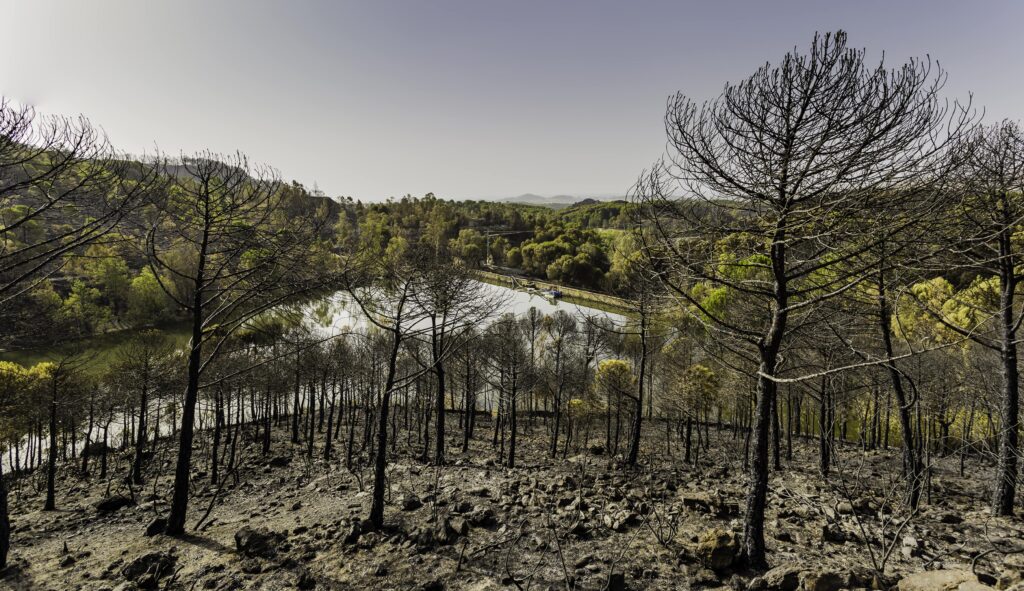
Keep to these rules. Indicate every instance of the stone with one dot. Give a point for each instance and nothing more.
(146, 570)
(445, 533)
(698, 501)
(831, 533)
(305, 580)
(717, 549)
(822, 581)
(483, 518)
(351, 533)
(865, 506)
(113, 503)
(784, 577)
(411, 503)
(942, 580)
(257, 543)
(157, 526)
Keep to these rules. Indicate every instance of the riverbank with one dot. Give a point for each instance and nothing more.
(572, 295)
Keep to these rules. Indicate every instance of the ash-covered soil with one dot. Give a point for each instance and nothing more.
(585, 521)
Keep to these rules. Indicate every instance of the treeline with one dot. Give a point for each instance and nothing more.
(584, 245)
(109, 286)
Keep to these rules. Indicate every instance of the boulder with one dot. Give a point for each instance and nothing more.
(445, 533)
(147, 570)
(411, 503)
(483, 518)
(831, 532)
(258, 543)
(113, 503)
(157, 526)
(942, 580)
(305, 580)
(351, 532)
(783, 578)
(822, 581)
(718, 549)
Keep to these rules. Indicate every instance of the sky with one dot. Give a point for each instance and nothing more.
(467, 99)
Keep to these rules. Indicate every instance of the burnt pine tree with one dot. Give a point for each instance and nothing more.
(62, 174)
(383, 284)
(452, 301)
(761, 195)
(984, 234)
(225, 244)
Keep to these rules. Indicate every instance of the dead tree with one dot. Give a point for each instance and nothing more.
(63, 173)
(452, 301)
(983, 233)
(762, 192)
(223, 247)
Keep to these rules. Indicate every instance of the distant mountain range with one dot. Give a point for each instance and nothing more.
(556, 200)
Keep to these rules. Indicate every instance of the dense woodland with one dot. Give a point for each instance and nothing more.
(824, 266)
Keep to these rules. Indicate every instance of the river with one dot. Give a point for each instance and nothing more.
(333, 315)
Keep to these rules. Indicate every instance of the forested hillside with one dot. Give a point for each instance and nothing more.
(216, 379)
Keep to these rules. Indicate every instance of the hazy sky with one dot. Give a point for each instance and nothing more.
(468, 99)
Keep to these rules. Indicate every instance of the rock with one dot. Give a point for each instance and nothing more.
(581, 530)
(910, 547)
(113, 503)
(258, 543)
(483, 518)
(698, 501)
(844, 508)
(823, 581)
(717, 549)
(830, 532)
(305, 580)
(445, 533)
(942, 580)
(146, 570)
(351, 533)
(157, 526)
(782, 578)
(865, 506)
(411, 503)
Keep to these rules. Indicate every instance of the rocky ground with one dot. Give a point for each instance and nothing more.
(583, 522)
